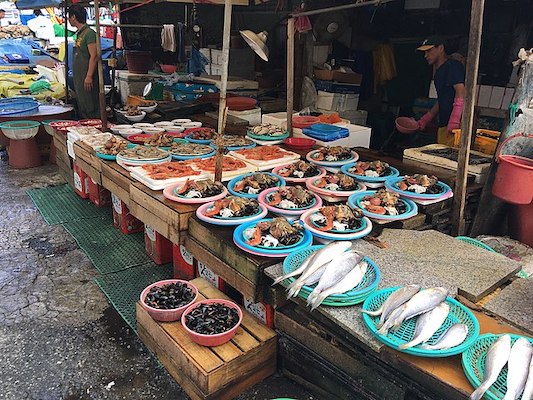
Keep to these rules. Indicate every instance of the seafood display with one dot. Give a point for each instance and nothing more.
(169, 170)
(334, 153)
(384, 202)
(143, 153)
(233, 207)
(300, 169)
(190, 149)
(419, 184)
(159, 139)
(337, 182)
(212, 318)
(113, 146)
(453, 336)
(255, 183)
(170, 296)
(291, 197)
(236, 141)
(98, 140)
(228, 164)
(338, 218)
(274, 233)
(200, 189)
(201, 134)
(132, 110)
(267, 130)
(265, 153)
(395, 300)
(372, 169)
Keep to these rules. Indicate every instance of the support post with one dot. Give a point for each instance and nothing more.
(101, 90)
(65, 60)
(219, 157)
(467, 122)
(290, 73)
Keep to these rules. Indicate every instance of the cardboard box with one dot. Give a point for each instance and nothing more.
(344, 77)
(99, 196)
(203, 271)
(183, 262)
(158, 247)
(81, 182)
(123, 219)
(262, 311)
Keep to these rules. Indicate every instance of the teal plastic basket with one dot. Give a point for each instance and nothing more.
(355, 296)
(473, 361)
(475, 243)
(458, 314)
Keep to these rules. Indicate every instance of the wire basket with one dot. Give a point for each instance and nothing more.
(20, 130)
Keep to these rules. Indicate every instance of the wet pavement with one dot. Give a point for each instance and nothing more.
(59, 337)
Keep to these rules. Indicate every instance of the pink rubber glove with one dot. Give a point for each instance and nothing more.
(426, 119)
(455, 117)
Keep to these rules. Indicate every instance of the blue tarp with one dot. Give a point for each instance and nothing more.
(19, 46)
(107, 50)
(34, 4)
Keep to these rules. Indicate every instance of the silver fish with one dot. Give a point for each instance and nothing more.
(350, 280)
(316, 276)
(421, 302)
(395, 300)
(497, 357)
(334, 251)
(335, 272)
(427, 324)
(518, 365)
(453, 336)
(527, 394)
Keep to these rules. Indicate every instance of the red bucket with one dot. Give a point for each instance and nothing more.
(514, 178)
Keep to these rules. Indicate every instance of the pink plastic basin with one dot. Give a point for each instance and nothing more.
(170, 315)
(406, 125)
(219, 338)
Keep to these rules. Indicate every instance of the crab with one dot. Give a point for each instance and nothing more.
(335, 153)
(340, 217)
(299, 169)
(338, 181)
(372, 169)
(291, 197)
(419, 183)
(384, 202)
(199, 189)
(278, 228)
(233, 206)
(256, 183)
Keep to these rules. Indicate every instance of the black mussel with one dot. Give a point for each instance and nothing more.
(171, 296)
(210, 319)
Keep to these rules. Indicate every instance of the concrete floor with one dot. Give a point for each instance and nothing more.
(59, 337)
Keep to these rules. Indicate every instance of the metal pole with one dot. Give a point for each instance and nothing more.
(101, 94)
(65, 60)
(223, 87)
(344, 7)
(472, 64)
(290, 73)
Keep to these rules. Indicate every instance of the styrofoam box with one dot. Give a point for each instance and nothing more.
(496, 97)
(276, 119)
(253, 116)
(359, 136)
(484, 95)
(507, 98)
(337, 101)
(70, 149)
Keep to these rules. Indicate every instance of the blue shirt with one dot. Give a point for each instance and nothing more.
(448, 74)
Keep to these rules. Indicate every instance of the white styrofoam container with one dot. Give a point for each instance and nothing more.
(276, 119)
(496, 97)
(483, 99)
(357, 117)
(507, 98)
(70, 149)
(253, 116)
(337, 101)
(359, 136)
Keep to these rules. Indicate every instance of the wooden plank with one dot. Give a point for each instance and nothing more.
(117, 190)
(219, 240)
(86, 153)
(148, 218)
(89, 170)
(225, 271)
(117, 180)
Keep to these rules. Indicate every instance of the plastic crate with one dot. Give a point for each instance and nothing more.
(335, 87)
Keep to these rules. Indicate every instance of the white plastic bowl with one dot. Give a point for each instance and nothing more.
(153, 130)
(174, 129)
(132, 131)
(181, 121)
(148, 109)
(118, 128)
(141, 125)
(136, 118)
(192, 124)
(163, 123)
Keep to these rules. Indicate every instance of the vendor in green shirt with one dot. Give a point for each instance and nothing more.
(84, 64)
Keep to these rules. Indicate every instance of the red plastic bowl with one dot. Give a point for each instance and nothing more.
(138, 138)
(406, 125)
(91, 122)
(219, 338)
(240, 103)
(61, 126)
(299, 143)
(170, 315)
(167, 68)
(304, 121)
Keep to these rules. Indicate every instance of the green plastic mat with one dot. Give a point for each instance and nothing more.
(108, 249)
(59, 204)
(124, 288)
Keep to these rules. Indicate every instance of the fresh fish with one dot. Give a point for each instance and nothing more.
(350, 280)
(517, 368)
(528, 389)
(421, 302)
(395, 300)
(336, 271)
(333, 253)
(316, 276)
(335, 246)
(497, 357)
(453, 336)
(427, 324)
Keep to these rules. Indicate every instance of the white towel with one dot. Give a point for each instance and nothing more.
(168, 38)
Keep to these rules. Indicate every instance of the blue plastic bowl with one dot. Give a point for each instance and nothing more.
(392, 184)
(354, 201)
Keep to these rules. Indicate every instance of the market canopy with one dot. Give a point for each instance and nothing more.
(36, 4)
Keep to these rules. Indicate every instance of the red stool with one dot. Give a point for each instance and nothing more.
(22, 150)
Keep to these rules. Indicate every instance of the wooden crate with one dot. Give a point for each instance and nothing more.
(219, 241)
(167, 217)
(221, 372)
(117, 180)
(88, 161)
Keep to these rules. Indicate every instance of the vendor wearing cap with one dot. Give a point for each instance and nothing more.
(449, 77)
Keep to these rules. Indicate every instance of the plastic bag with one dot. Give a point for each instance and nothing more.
(309, 94)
